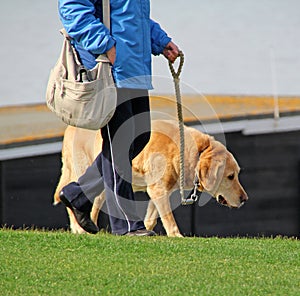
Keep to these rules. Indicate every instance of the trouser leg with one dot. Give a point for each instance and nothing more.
(123, 138)
(91, 182)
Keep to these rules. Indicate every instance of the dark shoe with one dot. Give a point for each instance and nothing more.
(141, 232)
(82, 218)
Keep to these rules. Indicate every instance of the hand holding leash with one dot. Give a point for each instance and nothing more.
(171, 52)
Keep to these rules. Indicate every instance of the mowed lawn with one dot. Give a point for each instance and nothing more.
(60, 263)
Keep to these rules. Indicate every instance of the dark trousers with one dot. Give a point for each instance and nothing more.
(124, 137)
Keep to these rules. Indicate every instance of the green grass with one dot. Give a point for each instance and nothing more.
(60, 263)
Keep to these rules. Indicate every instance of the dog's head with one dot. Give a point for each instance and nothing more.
(218, 172)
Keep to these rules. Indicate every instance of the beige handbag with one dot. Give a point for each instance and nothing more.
(80, 97)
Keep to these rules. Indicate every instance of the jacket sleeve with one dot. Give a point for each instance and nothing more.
(159, 38)
(81, 24)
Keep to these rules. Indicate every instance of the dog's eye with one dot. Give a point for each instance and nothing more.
(231, 177)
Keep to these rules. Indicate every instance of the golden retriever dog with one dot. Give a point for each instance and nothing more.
(156, 170)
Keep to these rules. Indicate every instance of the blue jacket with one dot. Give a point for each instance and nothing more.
(133, 33)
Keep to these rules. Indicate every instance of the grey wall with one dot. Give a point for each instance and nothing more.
(270, 175)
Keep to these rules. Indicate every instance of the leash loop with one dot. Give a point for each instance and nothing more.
(176, 75)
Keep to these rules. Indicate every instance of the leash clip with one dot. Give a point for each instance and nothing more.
(193, 197)
(189, 200)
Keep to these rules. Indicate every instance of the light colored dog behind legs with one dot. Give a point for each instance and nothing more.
(156, 170)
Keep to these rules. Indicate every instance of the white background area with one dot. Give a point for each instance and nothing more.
(227, 46)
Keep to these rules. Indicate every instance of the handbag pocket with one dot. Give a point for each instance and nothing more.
(85, 104)
(79, 91)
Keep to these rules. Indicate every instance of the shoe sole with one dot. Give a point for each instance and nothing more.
(141, 234)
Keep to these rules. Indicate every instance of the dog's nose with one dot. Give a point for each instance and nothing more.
(243, 198)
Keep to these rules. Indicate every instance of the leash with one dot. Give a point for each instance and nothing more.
(175, 74)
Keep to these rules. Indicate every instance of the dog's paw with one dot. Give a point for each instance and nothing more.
(176, 234)
(150, 224)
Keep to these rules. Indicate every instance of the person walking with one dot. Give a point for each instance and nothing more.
(129, 43)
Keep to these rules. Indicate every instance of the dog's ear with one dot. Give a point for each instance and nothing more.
(208, 173)
(211, 166)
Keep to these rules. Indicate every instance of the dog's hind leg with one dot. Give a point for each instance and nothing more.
(64, 180)
(151, 216)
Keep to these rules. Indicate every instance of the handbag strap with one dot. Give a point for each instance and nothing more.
(106, 22)
(68, 40)
(106, 13)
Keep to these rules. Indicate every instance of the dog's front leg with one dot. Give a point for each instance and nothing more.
(151, 216)
(74, 226)
(162, 203)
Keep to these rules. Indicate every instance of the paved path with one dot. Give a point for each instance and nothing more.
(35, 123)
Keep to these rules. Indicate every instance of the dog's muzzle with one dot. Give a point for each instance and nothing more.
(222, 201)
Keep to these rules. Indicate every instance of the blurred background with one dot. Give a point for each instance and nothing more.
(227, 44)
(242, 62)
